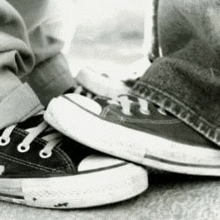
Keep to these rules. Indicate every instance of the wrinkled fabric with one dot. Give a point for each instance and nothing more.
(34, 35)
(186, 79)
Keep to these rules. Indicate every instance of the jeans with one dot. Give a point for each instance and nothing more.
(185, 80)
(34, 37)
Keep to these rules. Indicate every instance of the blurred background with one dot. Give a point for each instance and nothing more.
(109, 34)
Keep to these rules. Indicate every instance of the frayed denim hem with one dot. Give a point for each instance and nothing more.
(178, 109)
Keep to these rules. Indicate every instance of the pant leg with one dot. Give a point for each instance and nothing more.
(51, 25)
(186, 80)
(181, 21)
(17, 100)
(151, 45)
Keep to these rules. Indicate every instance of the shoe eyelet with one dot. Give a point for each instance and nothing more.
(44, 155)
(4, 141)
(23, 148)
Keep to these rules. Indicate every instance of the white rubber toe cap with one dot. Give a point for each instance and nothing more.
(86, 103)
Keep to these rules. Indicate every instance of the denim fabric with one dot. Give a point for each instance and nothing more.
(186, 80)
(150, 45)
(33, 36)
(50, 78)
(50, 27)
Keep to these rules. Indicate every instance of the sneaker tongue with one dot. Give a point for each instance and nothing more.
(76, 151)
(31, 122)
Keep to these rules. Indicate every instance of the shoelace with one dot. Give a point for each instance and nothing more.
(125, 102)
(53, 138)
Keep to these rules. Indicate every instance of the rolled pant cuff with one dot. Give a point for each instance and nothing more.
(19, 105)
(50, 78)
(178, 109)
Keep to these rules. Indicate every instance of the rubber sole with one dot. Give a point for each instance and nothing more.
(78, 123)
(96, 188)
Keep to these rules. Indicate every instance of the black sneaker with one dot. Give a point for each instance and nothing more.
(135, 130)
(39, 167)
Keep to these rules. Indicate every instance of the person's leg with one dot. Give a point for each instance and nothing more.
(50, 34)
(185, 81)
(150, 44)
(181, 21)
(17, 100)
